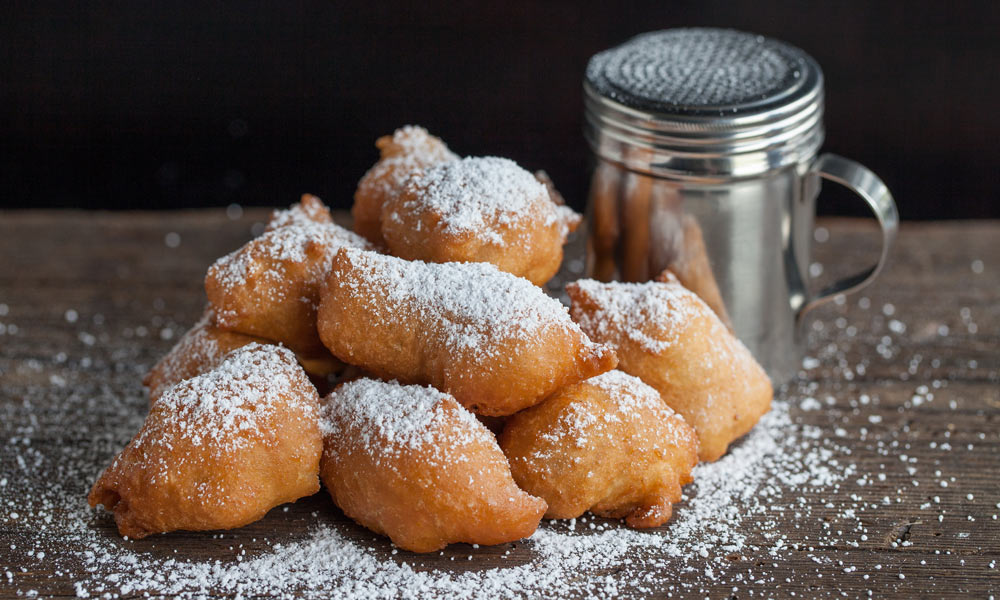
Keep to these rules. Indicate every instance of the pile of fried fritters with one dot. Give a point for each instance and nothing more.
(462, 402)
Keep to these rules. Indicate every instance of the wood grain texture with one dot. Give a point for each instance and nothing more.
(88, 301)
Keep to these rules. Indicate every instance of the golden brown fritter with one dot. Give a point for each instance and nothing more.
(219, 450)
(410, 463)
(479, 209)
(205, 345)
(494, 341)
(306, 211)
(270, 287)
(609, 445)
(407, 150)
(668, 337)
(201, 349)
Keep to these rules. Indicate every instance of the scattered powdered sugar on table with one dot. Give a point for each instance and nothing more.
(728, 498)
(795, 485)
(6, 328)
(476, 195)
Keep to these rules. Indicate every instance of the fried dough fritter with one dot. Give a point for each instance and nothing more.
(494, 341)
(199, 350)
(270, 287)
(205, 345)
(308, 210)
(479, 209)
(219, 450)
(668, 337)
(609, 445)
(410, 463)
(408, 149)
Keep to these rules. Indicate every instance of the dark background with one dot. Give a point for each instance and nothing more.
(182, 104)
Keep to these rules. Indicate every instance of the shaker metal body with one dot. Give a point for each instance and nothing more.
(717, 183)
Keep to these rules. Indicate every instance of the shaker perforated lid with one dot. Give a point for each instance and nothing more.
(704, 102)
(700, 71)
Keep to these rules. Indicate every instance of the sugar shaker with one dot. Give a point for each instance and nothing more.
(706, 146)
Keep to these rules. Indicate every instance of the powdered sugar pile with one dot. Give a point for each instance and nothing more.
(476, 195)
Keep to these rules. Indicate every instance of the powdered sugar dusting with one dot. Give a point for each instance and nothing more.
(633, 401)
(387, 418)
(239, 395)
(410, 148)
(477, 195)
(414, 140)
(621, 383)
(269, 256)
(308, 211)
(635, 309)
(568, 218)
(476, 304)
(195, 346)
(632, 396)
(730, 499)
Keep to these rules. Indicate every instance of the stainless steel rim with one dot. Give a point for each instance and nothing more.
(708, 147)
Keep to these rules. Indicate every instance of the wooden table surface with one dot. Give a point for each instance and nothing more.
(902, 382)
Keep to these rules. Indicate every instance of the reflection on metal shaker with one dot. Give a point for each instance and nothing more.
(661, 237)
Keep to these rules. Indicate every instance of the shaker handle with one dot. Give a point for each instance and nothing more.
(866, 184)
